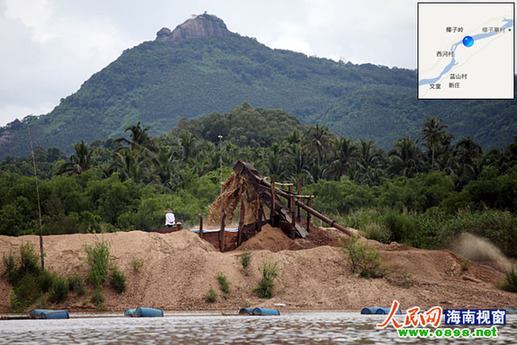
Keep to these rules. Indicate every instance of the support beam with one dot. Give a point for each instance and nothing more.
(298, 211)
(241, 222)
(201, 234)
(273, 202)
(221, 233)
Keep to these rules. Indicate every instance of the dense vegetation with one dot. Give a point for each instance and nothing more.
(422, 192)
(158, 84)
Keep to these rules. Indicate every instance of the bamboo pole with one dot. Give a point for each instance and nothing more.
(273, 202)
(309, 215)
(201, 226)
(221, 233)
(241, 222)
(299, 211)
(42, 253)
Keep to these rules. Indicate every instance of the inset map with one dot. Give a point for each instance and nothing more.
(466, 50)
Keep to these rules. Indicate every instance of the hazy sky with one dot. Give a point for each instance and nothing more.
(48, 48)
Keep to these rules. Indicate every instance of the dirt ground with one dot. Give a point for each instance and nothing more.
(179, 268)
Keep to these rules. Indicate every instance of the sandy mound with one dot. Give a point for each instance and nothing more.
(179, 268)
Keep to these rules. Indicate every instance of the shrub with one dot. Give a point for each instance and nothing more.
(59, 291)
(26, 292)
(511, 281)
(46, 280)
(10, 269)
(363, 259)
(29, 260)
(76, 283)
(401, 226)
(118, 280)
(375, 231)
(224, 284)
(97, 297)
(97, 257)
(464, 266)
(137, 264)
(211, 295)
(246, 259)
(264, 289)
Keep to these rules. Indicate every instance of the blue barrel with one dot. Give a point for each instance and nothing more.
(246, 311)
(49, 314)
(265, 311)
(148, 312)
(130, 312)
(511, 310)
(378, 310)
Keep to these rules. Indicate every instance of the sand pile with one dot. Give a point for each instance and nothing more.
(179, 268)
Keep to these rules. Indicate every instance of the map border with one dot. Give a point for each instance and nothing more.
(418, 46)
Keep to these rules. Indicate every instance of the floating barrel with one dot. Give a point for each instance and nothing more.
(144, 312)
(259, 311)
(130, 312)
(264, 311)
(378, 310)
(49, 314)
(246, 311)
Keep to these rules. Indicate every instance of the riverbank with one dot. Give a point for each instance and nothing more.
(179, 268)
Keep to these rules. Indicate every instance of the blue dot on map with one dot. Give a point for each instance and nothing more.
(468, 41)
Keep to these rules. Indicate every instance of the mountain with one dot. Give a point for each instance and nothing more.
(201, 67)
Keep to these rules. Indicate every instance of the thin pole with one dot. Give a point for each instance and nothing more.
(221, 160)
(39, 203)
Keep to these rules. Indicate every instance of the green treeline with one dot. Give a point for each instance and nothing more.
(422, 192)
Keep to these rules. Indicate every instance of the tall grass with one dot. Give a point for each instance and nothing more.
(511, 281)
(118, 280)
(363, 259)
(265, 287)
(97, 258)
(246, 258)
(224, 285)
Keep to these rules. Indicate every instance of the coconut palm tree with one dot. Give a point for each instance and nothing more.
(80, 160)
(318, 141)
(435, 138)
(405, 159)
(344, 158)
(467, 158)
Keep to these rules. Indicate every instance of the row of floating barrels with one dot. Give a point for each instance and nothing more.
(63, 314)
(152, 312)
(138, 312)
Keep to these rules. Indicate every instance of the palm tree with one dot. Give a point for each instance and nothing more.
(405, 159)
(274, 161)
(369, 163)
(298, 162)
(435, 136)
(467, 157)
(139, 138)
(318, 140)
(344, 158)
(187, 141)
(80, 160)
(134, 164)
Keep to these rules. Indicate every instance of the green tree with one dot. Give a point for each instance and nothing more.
(435, 137)
(343, 160)
(80, 160)
(405, 159)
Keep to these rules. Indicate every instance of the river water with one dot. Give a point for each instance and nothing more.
(198, 328)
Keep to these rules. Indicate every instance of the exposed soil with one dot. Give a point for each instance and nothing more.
(179, 268)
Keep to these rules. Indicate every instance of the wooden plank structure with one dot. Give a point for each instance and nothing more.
(266, 195)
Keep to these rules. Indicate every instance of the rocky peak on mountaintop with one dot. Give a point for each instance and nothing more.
(203, 25)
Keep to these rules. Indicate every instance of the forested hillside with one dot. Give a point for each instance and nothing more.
(162, 81)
